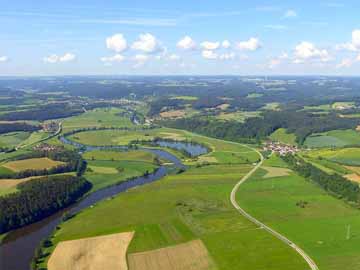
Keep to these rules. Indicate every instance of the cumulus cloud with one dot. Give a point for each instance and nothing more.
(250, 45)
(186, 43)
(290, 14)
(226, 44)
(208, 54)
(54, 58)
(354, 45)
(147, 43)
(305, 51)
(116, 43)
(345, 63)
(4, 59)
(115, 58)
(208, 45)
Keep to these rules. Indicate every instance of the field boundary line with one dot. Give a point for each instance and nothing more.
(261, 225)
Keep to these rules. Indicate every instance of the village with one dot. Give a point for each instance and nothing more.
(280, 148)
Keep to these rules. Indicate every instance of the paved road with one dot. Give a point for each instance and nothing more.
(306, 257)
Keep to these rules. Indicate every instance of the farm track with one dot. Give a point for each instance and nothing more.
(261, 225)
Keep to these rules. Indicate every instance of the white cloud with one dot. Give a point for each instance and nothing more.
(290, 14)
(226, 44)
(141, 57)
(273, 63)
(307, 51)
(147, 43)
(358, 58)
(186, 43)
(116, 43)
(354, 45)
(227, 56)
(250, 45)
(345, 63)
(53, 58)
(208, 45)
(4, 59)
(174, 57)
(207, 54)
(115, 58)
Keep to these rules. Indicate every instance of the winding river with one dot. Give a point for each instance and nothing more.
(19, 246)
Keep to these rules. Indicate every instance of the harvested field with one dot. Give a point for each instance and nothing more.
(173, 114)
(188, 256)
(355, 169)
(275, 172)
(353, 177)
(32, 163)
(95, 253)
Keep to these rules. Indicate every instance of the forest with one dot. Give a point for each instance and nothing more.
(253, 129)
(38, 199)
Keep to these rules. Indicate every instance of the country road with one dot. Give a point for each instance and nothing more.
(306, 257)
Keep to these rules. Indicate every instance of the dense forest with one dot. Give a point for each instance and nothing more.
(49, 111)
(333, 183)
(253, 129)
(38, 199)
(12, 127)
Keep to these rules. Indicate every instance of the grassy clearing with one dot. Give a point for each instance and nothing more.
(324, 108)
(320, 228)
(238, 116)
(100, 117)
(188, 256)
(188, 98)
(337, 138)
(31, 164)
(343, 105)
(104, 252)
(281, 135)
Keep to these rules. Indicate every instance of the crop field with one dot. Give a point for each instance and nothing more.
(275, 172)
(346, 156)
(32, 163)
(281, 135)
(321, 232)
(187, 256)
(185, 207)
(337, 138)
(34, 138)
(104, 252)
(238, 116)
(101, 117)
(12, 139)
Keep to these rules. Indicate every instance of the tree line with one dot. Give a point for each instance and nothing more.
(39, 198)
(333, 183)
(12, 127)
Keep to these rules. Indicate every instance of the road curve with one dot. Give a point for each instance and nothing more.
(306, 257)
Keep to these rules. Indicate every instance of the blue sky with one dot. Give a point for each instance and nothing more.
(179, 37)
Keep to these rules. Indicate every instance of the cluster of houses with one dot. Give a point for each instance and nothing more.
(51, 127)
(44, 147)
(280, 148)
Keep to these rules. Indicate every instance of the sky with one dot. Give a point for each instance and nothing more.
(194, 37)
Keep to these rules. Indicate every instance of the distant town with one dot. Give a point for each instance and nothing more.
(280, 148)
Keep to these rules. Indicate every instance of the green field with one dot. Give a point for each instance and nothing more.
(13, 139)
(337, 138)
(347, 156)
(320, 228)
(281, 135)
(119, 156)
(191, 205)
(101, 117)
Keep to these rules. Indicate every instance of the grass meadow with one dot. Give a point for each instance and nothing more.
(281, 135)
(334, 138)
